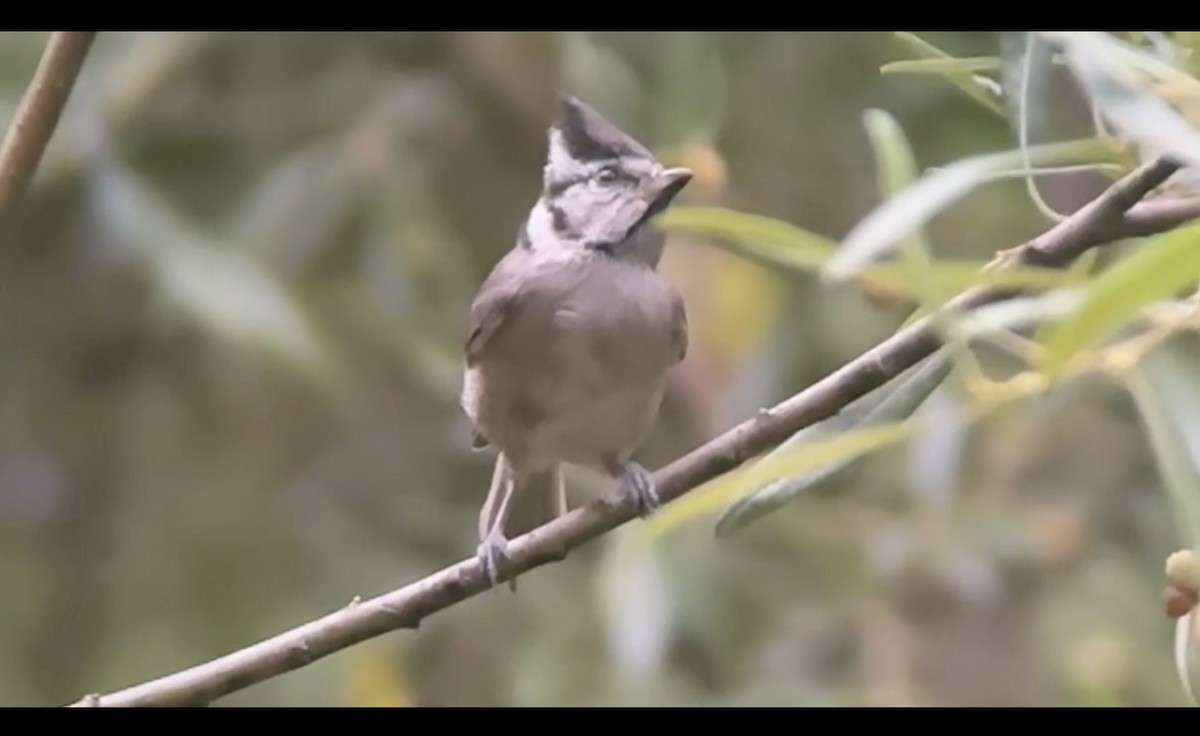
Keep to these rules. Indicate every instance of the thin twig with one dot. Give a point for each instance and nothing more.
(39, 111)
(1157, 216)
(1100, 221)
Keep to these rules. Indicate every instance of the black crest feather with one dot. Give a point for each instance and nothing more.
(590, 137)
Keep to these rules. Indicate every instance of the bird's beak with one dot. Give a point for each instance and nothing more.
(665, 187)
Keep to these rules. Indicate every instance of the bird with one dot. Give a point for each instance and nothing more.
(572, 334)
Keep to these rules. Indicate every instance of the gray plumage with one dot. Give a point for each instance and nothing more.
(573, 333)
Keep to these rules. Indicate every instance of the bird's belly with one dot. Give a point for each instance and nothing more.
(575, 398)
(595, 426)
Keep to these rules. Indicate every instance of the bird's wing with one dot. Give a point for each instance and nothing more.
(493, 307)
(679, 327)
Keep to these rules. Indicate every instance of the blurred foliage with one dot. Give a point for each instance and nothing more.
(1147, 95)
(233, 308)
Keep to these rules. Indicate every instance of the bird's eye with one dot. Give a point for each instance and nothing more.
(607, 175)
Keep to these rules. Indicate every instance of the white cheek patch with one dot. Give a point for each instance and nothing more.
(560, 166)
(589, 209)
(540, 228)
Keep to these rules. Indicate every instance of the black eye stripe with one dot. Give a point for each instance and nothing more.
(557, 186)
(558, 220)
(619, 174)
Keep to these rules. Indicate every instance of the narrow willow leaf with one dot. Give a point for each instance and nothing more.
(892, 402)
(638, 610)
(1164, 387)
(951, 277)
(1080, 271)
(1187, 654)
(1164, 47)
(1155, 271)
(897, 167)
(775, 243)
(1026, 79)
(220, 288)
(900, 216)
(897, 172)
(944, 67)
(1189, 42)
(950, 65)
(714, 495)
(296, 207)
(1147, 98)
(1017, 314)
(763, 238)
(965, 81)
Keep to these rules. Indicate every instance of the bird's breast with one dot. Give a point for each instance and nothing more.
(580, 371)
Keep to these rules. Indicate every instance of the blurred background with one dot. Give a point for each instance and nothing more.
(231, 315)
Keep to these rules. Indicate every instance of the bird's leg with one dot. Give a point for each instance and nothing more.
(636, 482)
(560, 495)
(558, 499)
(487, 515)
(493, 517)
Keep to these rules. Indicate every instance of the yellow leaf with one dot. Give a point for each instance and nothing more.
(747, 300)
(1159, 268)
(719, 492)
(708, 166)
(375, 678)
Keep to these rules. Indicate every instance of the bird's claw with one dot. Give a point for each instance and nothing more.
(638, 482)
(492, 552)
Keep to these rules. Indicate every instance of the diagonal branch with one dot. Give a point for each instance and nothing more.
(37, 115)
(1111, 216)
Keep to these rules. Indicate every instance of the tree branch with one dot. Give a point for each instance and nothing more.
(1157, 216)
(39, 111)
(1109, 217)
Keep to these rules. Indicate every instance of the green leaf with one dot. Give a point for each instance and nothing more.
(1027, 66)
(945, 67)
(900, 216)
(1187, 654)
(296, 208)
(222, 289)
(1164, 387)
(775, 243)
(639, 613)
(964, 80)
(763, 239)
(897, 171)
(714, 495)
(1144, 96)
(892, 402)
(1155, 271)
(1189, 42)
(1017, 314)
(897, 165)
(951, 277)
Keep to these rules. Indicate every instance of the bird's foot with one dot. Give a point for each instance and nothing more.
(638, 482)
(492, 553)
